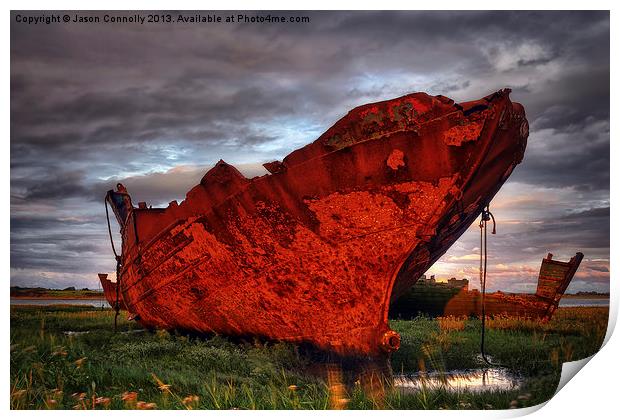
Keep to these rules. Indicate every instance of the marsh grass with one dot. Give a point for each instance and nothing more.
(137, 369)
(451, 323)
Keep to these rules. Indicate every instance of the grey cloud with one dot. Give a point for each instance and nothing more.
(96, 104)
(159, 188)
(576, 156)
(526, 243)
(61, 185)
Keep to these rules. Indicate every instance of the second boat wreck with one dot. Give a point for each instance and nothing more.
(434, 299)
(316, 251)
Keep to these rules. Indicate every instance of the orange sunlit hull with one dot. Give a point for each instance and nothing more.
(315, 251)
(109, 291)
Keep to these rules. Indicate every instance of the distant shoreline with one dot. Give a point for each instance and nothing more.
(48, 297)
(41, 293)
(601, 296)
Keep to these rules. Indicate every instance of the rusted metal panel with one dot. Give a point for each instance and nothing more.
(552, 275)
(553, 280)
(315, 251)
(109, 291)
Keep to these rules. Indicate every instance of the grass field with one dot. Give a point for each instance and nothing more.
(70, 358)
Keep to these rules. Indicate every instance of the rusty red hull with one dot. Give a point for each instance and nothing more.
(109, 291)
(316, 251)
(500, 304)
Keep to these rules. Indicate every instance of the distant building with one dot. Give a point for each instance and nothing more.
(458, 284)
(451, 283)
(427, 280)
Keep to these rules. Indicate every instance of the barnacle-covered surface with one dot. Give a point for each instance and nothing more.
(315, 251)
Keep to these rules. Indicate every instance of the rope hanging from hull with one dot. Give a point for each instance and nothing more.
(485, 216)
(117, 307)
(118, 268)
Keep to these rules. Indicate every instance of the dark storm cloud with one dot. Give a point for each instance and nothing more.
(526, 235)
(52, 244)
(155, 106)
(581, 230)
(23, 224)
(60, 185)
(574, 155)
(586, 231)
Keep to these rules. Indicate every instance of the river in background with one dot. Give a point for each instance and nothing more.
(568, 302)
(98, 303)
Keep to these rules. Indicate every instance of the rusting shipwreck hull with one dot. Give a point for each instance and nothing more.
(109, 291)
(553, 280)
(316, 250)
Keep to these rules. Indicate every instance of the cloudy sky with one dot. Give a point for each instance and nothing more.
(155, 106)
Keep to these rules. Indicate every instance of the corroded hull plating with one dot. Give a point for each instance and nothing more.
(315, 251)
(109, 292)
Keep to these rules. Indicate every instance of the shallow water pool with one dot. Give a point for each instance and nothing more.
(474, 380)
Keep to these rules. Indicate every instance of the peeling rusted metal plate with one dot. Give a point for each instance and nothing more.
(315, 251)
(109, 292)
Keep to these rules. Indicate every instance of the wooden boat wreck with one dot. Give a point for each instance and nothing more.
(439, 300)
(109, 292)
(315, 251)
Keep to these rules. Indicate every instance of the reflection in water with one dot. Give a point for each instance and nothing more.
(478, 380)
(373, 381)
(98, 303)
(376, 385)
(74, 333)
(337, 389)
(374, 378)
